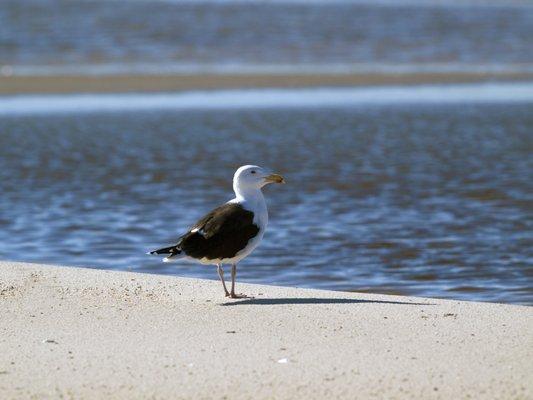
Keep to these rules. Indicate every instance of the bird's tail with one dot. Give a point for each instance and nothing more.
(172, 251)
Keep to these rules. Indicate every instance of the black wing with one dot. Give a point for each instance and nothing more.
(220, 234)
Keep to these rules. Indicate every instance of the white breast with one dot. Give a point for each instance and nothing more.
(257, 205)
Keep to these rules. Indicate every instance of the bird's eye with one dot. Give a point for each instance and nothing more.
(252, 172)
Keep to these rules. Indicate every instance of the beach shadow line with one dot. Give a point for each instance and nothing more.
(314, 300)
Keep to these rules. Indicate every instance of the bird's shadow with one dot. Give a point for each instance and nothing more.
(315, 300)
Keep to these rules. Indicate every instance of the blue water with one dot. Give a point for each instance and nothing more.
(108, 36)
(418, 199)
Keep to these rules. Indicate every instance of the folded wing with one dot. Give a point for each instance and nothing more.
(221, 234)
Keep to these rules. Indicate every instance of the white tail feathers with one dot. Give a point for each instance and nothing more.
(172, 258)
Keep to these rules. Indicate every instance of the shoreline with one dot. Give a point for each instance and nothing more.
(83, 333)
(147, 83)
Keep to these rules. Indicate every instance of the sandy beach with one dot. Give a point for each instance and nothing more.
(395, 263)
(16, 84)
(83, 333)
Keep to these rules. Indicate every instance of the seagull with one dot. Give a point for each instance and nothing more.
(230, 232)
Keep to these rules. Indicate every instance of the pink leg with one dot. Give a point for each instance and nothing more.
(233, 295)
(221, 275)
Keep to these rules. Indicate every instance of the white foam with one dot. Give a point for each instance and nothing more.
(268, 98)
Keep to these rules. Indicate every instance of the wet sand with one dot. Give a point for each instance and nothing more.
(81, 333)
(168, 83)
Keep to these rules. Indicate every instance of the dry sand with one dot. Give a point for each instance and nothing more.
(171, 83)
(90, 334)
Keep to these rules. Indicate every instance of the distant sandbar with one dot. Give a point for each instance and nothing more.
(17, 84)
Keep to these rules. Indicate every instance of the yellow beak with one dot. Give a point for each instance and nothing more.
(274, 178)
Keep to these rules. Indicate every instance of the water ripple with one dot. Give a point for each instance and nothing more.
(429, 200)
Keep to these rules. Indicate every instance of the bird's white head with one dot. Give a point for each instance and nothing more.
(251, 178)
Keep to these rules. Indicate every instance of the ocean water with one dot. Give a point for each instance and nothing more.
(122, 36)
(427, 199)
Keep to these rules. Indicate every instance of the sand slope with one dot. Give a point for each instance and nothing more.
(88, 334)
